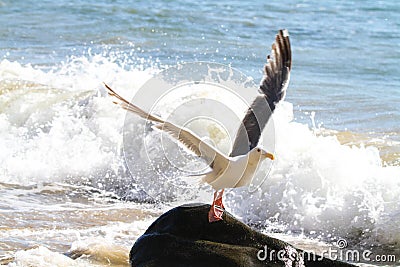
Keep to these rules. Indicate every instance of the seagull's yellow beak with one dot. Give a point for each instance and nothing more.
(269, 155)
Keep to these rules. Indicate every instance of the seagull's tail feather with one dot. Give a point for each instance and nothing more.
(125, 104)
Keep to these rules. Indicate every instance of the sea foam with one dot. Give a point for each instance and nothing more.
(57, 125)
(319, 187)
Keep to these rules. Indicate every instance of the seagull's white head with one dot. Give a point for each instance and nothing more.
(258, 154)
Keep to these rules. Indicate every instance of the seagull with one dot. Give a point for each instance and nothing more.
(237, 169)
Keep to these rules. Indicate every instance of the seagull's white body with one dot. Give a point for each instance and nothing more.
(239, 171)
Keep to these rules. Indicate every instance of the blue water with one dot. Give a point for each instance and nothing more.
(345, 53)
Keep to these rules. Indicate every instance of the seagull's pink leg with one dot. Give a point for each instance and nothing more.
(217, 207)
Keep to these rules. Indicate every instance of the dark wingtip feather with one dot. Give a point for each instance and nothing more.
(277, 70)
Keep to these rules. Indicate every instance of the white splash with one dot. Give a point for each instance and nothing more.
(57, 125)
(320, 187)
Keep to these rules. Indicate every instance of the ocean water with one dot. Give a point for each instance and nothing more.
(65, 189)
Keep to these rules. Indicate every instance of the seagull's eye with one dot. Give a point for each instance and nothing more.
(258, 150)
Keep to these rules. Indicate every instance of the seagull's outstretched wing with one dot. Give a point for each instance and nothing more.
(213, 157)
(184, 135)
(119, 100)
(272, 90)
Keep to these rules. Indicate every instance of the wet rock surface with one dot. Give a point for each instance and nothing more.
(184, 237)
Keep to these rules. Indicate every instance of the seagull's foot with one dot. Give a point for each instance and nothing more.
(217, 208)
(215, 213)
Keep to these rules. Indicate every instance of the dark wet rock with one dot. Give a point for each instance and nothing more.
(184, 237)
